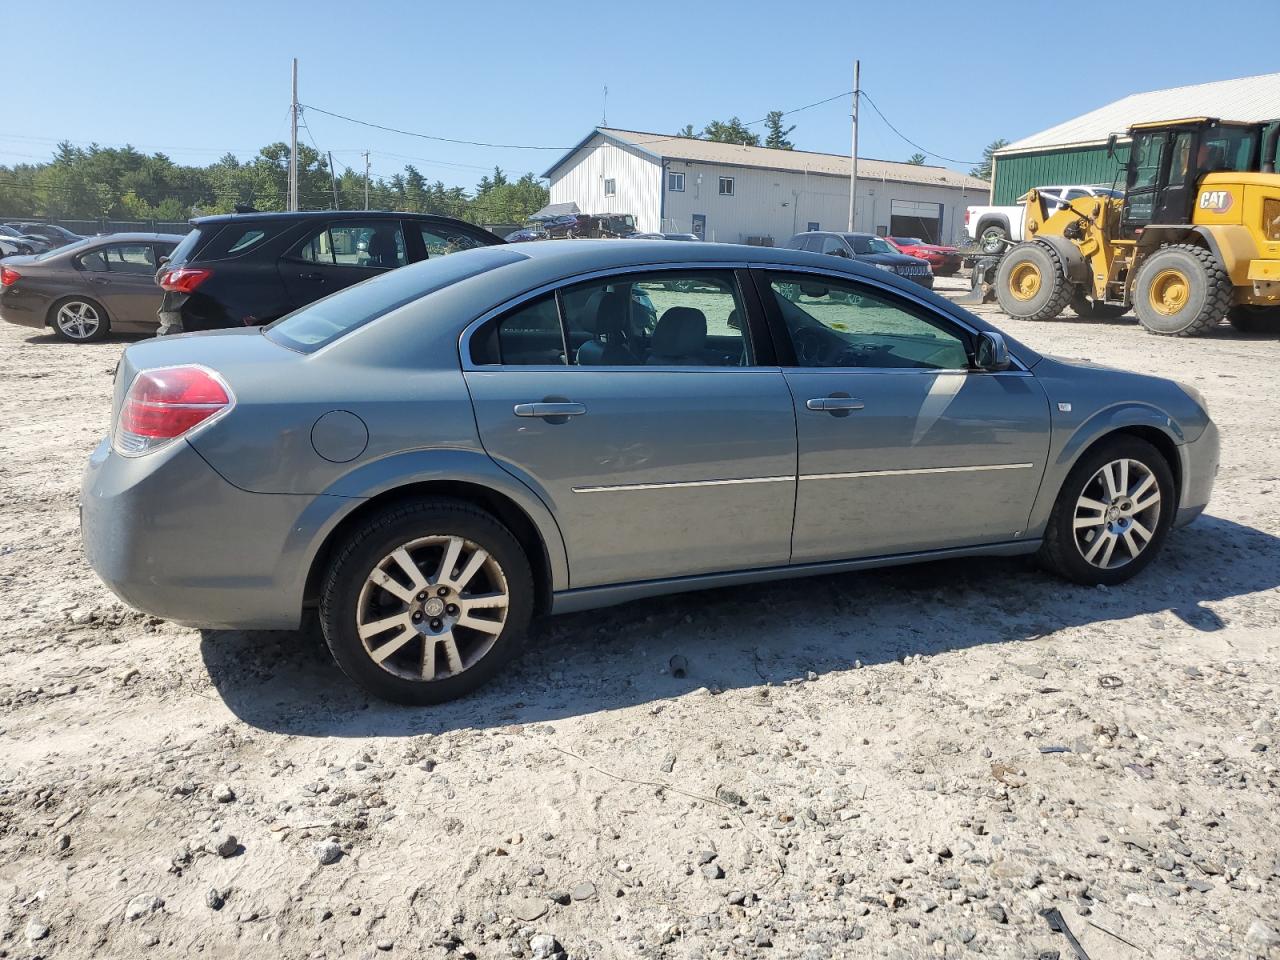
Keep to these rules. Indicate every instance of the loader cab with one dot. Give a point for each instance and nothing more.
(1167, 161)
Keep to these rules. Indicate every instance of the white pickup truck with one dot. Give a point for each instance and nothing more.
(990, 225)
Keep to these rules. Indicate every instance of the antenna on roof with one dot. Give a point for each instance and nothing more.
(604, 108)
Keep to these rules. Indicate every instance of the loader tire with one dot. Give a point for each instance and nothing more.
(1181, 291)
(1031, 283)
(1087, 309)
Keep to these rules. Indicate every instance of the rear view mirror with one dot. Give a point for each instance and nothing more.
(992, 353)
(1111, 147)
(811, 289)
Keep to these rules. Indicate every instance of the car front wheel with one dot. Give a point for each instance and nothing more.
(427, 601)
(1112, 514)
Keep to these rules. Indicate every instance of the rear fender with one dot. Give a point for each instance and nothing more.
(386, 475)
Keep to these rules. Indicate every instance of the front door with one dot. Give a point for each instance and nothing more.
(639, 408)
(341, 253)
(902, 447)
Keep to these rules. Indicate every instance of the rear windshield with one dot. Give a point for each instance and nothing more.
(320, 323)
(59, 251)
(182, 252)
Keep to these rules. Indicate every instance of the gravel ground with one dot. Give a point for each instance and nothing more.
(910, 763)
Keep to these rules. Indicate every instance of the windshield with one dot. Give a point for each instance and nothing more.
(8, 231)
(864, 244)
(325, 321)
(65, 248)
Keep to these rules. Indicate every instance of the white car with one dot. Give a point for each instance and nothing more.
(989, 226)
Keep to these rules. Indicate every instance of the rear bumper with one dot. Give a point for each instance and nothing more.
(172, 538)
(1200, 460)
(21, 311)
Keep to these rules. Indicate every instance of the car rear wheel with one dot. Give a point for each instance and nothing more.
(992, 238)
(1112, 514)
(427, 601)
(78, 320)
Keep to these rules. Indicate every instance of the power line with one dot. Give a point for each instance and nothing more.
(427, 136)
(972, 163)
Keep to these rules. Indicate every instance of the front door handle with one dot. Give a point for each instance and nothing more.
(835, 404)
(552, 411)
(102, 280)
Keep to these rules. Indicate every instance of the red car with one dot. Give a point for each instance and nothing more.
(945, 261)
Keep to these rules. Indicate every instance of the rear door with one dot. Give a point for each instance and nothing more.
(127, 286)
(646, 410)
(339, 253)
(902, 447)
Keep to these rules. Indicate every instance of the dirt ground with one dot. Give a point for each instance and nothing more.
(909, 763)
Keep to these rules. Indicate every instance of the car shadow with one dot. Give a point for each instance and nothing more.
(130, 337)
(736, 637)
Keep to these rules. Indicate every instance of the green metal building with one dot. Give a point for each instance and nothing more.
(1076, 151)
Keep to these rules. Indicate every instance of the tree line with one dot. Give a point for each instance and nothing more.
(93, 183)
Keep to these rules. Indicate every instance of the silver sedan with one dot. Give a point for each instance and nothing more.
(438, 454)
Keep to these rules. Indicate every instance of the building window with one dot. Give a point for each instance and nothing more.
(675, 182)
(726, 186)
(610, 187)
(813, 225)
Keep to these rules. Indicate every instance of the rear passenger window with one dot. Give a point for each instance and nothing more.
(378, 244)
(441, 242)
(527, 336)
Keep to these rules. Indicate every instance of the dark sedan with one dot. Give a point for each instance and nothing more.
(87, 289)
(866, 248)
(51, 233)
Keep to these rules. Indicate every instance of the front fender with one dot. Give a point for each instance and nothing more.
(369, 480)
(1071, 439)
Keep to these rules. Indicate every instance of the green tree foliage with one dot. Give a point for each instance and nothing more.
(687, 131)
(983, 170)
(95, 182)
(917, 159)
(776, 137)
(732, 130)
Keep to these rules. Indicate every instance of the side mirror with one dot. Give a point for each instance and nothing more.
(163, 261)
(992, 353)
(1111, 147)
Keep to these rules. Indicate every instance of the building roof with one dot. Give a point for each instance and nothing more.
(1248, 99)
(670, 147)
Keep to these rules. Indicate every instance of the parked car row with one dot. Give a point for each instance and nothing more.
(234, 270)
(866, 248)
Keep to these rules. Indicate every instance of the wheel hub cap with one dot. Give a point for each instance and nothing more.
(1169, 292)
(432, 608)
(1024, 281)
(1117, 514)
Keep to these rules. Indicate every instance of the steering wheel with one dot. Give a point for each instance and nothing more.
(811, 346)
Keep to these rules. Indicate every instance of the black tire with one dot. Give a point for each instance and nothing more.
(1206, 299)
(1087, 309)
(66, 331)
(355, 560)
(1045, 295)
(1061, 552)
(1253, 319)
(991, 236)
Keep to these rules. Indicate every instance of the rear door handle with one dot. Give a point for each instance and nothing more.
(561, 411)
(312, 276)
(835, 404)
(103, 280)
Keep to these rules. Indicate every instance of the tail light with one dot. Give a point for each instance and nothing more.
(184, 279)
(167, 402)
(9, 276)
(966, 216)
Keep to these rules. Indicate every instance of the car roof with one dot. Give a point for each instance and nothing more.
(136, 237)
(302, 216)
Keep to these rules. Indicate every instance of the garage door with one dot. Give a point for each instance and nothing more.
(912, 218)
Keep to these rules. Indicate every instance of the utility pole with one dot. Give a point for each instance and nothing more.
(366, 179)
(293, 141)
(853, 153)
(333, 178)
(604, 108)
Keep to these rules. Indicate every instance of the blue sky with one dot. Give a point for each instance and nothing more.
(198, 80)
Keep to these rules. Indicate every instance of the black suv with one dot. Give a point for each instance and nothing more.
(245, 269)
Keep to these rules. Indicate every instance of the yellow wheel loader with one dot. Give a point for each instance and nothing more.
(1194, 238)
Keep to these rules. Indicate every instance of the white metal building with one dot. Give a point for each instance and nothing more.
(737, 194)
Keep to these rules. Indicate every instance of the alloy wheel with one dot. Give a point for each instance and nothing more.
(432, 608)
(78, 320)
(1117, 514)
